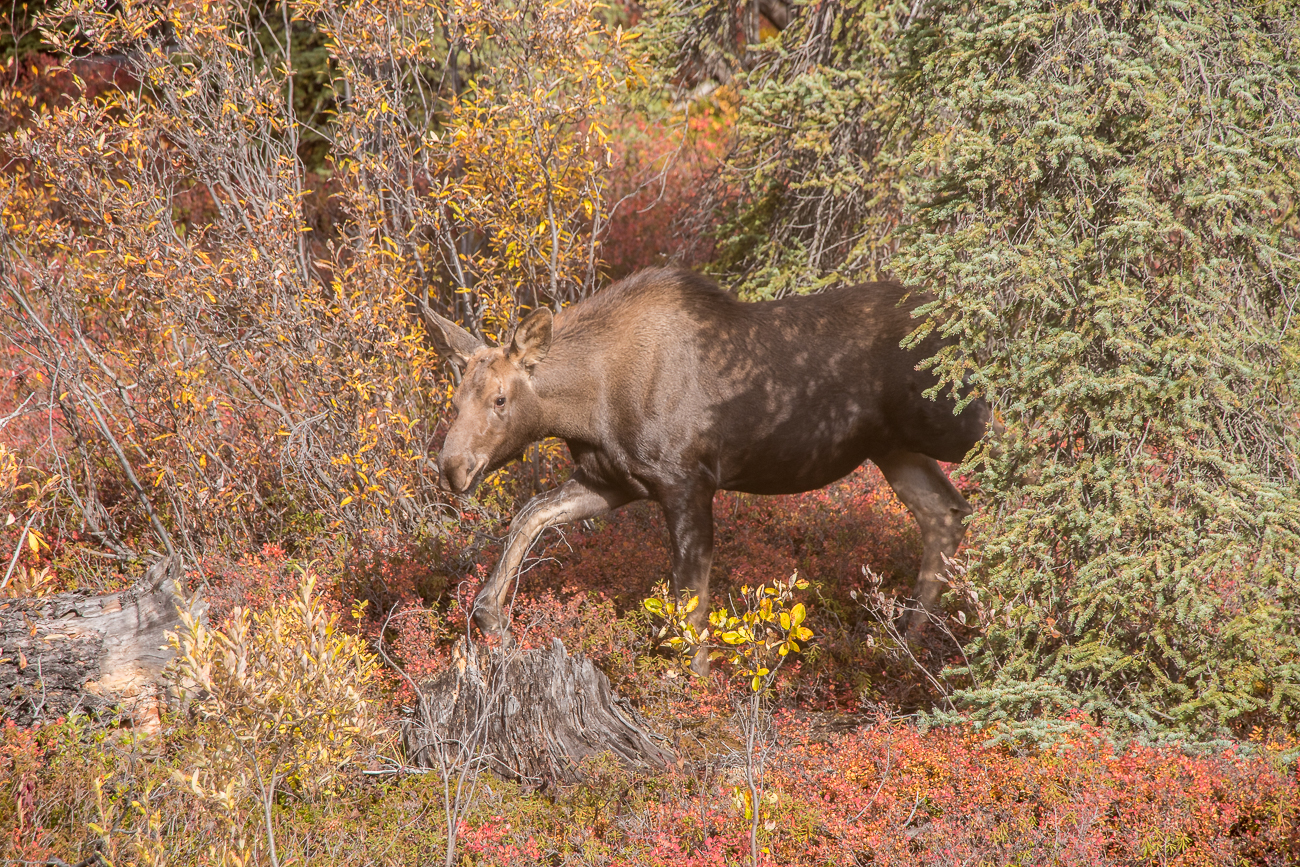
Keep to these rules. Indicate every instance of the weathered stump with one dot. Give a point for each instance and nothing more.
(532, 716)
(71, 652)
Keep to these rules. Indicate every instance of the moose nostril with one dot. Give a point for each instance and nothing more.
(474, 471)
(447, 475)
(458, 474)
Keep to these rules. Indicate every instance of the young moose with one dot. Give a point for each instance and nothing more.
(665, 387)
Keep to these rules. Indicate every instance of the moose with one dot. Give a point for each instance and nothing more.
(666, 387)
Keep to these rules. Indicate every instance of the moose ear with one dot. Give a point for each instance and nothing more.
(532, 339)
(449, 339)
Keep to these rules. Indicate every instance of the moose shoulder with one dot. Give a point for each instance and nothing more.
(667, 388)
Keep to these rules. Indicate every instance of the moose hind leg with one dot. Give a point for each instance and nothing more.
(575, 500)
(690, 536)
(940, 511)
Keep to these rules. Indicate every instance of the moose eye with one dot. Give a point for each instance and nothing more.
(501, 401)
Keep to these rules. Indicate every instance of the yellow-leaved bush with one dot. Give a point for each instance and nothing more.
(755, 633)
(207, 261)
(280, 697)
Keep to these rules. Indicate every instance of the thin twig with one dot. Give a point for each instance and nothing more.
(18, 549)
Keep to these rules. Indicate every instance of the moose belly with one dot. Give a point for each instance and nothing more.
(781, 471)
(773, 449)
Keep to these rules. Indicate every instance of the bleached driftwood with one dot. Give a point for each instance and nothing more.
(71, 652)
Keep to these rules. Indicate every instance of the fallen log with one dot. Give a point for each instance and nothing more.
(532, 716)
(70, 652)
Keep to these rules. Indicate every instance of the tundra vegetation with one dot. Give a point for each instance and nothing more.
(214, 215)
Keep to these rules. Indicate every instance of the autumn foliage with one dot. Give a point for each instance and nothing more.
(884, 794)
(206, 356)
(218, 219)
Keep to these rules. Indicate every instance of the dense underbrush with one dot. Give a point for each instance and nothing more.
(851, 775)
(214, 217)
(883, 793)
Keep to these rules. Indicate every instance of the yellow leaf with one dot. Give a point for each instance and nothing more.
(692, 604)
(345, 501)
(797, 614)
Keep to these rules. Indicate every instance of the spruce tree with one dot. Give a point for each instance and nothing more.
(1109, 223)
(1102, 197)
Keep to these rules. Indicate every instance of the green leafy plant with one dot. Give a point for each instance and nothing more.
(1110, 227)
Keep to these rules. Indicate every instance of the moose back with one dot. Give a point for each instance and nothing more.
(665, 387)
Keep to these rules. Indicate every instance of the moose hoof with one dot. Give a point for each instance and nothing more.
(700, 663)
(914, 624)
(492, 625)
(503, 638)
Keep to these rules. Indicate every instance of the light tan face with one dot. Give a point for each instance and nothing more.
(490, 420)
(497, 411)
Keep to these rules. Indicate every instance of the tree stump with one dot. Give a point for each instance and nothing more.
(71, 652)
(532, 716)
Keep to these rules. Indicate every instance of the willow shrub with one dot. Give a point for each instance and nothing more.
(1102, 198)
(207, 360)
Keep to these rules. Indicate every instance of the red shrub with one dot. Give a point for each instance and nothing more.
(657, 174)
(894, 795)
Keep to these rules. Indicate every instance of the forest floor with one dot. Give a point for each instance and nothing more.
(853, 769)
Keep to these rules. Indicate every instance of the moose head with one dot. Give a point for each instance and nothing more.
(498, 412)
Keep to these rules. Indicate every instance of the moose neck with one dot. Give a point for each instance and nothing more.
(567, 387)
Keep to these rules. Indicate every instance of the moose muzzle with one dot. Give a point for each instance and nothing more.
(460, 472)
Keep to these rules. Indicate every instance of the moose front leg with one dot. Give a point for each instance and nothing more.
(575, 500)
(690, 536)
(940, 510)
